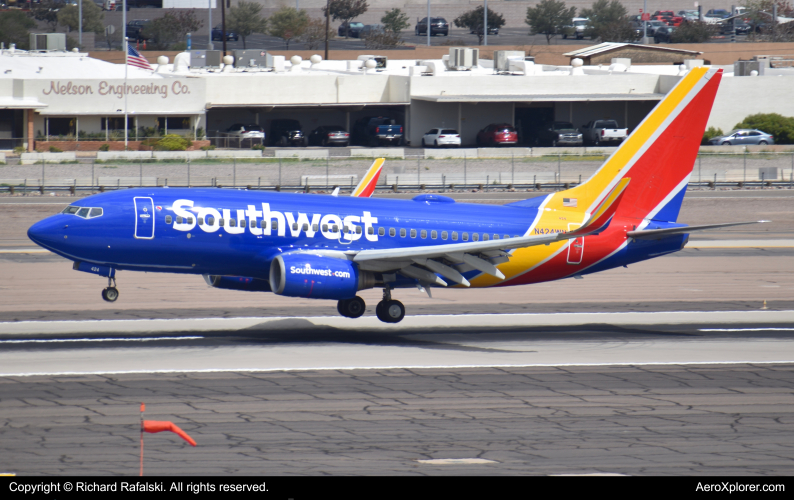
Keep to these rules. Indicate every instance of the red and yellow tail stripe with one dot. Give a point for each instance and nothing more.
(367, 185)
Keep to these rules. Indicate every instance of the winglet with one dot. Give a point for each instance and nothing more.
(366, 187)
(604, 212)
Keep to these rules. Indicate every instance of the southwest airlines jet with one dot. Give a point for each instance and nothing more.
(329, 247)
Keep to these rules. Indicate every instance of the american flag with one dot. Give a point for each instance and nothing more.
(569, 202)
(137, 60)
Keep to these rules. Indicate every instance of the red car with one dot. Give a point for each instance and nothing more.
(668, 17)
(497, 134)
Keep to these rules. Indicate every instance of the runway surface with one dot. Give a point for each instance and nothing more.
(676, 366)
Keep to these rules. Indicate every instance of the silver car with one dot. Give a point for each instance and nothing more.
(743, 137)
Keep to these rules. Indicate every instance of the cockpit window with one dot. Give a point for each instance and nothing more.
(84, 212)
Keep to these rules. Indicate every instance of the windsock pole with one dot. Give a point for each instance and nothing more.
(143, 409)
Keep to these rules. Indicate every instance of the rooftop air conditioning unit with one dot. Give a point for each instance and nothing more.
(463, 58)
(252, 59)
(379, 60)
(48, 41)
(502, 58)
(205, 58)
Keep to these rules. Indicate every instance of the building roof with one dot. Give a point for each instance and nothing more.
(540, 97)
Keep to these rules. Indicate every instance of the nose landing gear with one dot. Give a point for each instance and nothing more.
(388, 310)
(111, 293)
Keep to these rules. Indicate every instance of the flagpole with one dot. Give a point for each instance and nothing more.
(126, 66)
(143, 409)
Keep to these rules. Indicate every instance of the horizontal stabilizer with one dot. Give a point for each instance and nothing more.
(656, 234)
(604, 212)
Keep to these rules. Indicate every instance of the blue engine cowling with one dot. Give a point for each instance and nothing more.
(317, 277)
(237, 283)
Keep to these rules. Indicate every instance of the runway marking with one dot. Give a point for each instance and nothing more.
(26, 250)
(746, 330)
(109, 339)
(390, 367)
(456, 461)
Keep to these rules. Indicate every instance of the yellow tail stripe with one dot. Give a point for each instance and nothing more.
(373, 170)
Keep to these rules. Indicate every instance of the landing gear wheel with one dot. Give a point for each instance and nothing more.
(351, 308)
(110, 294)
(390, 311)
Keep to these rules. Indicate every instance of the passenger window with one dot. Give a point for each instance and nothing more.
(443, 235)
(485, 237)
(200, 221)
(475, 237)
(434, 234)
(507, 236)
(334, 228)
(402, 233)
(305, 226)
(454, 236)
(413, 233)
(83, 212)
(168, 219)
(381, 231)
(358, 229)
(315, 227)
(392, 232)
(275, 225)
(232, 222)
(221, 222)
(465, 236)
(423, 234)
(263, 224)
(496, 236)
(210, 221)
(95, 212)
(179, 220)
(253, 224)
(294, 226)
(190, 220)
(325, 228)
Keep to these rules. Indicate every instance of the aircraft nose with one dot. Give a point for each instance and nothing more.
(46, 232)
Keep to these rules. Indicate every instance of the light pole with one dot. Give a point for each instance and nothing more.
(210, 45)
(485, 23)
(327, 25)
(428, 23)
(80, 23)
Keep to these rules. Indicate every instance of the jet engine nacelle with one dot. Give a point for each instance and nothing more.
(317, 277)
(237, 283)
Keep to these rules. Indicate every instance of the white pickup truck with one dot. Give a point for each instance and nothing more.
(600, 132)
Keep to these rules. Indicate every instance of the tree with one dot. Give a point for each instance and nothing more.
(473, 20)
(693, 32)
(609, 22)
(314, 35)
(288, 23)
(346, 10)
(549, 18)
(93, 18)
(15, 28)
(394, 21)
(171, 29)
(47, 12)
(781, 127)
(245, 19)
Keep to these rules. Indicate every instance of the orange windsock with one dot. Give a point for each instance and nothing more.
(153, 426)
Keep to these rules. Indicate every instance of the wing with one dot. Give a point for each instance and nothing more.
(656, 234)
(423, 262)
(366, 187)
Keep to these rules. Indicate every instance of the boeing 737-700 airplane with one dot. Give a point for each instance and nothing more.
(330, 247)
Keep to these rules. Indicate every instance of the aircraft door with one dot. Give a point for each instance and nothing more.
(144, 218)
(576, 247)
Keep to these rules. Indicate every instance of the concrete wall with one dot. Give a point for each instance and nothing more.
(474, 117)
(747, 95)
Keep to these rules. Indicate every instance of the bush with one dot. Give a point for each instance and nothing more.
(693, 32)
(258, 146)
(53, 149)
(207, 148)
(104, 147)
(173, 142)
(781, 127)
(19, 150)
(710, 134)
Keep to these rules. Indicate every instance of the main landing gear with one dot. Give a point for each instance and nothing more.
(387, 310)
(110, 294)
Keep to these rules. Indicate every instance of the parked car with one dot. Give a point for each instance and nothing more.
(286, 132)
(326, 135)
(558, 134)
(374, 131)
(240, 133)
(438, 137)
(497, 134)
(600, 132)
(664, 35)
(135, 29)
(438, 26)
(478, 31)
(743, 136)
(741, 26)
(689, 15)
(355, 29)
(652, 26)
(217, 34)
(669, 17)
(371, 29)
(577, 28)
